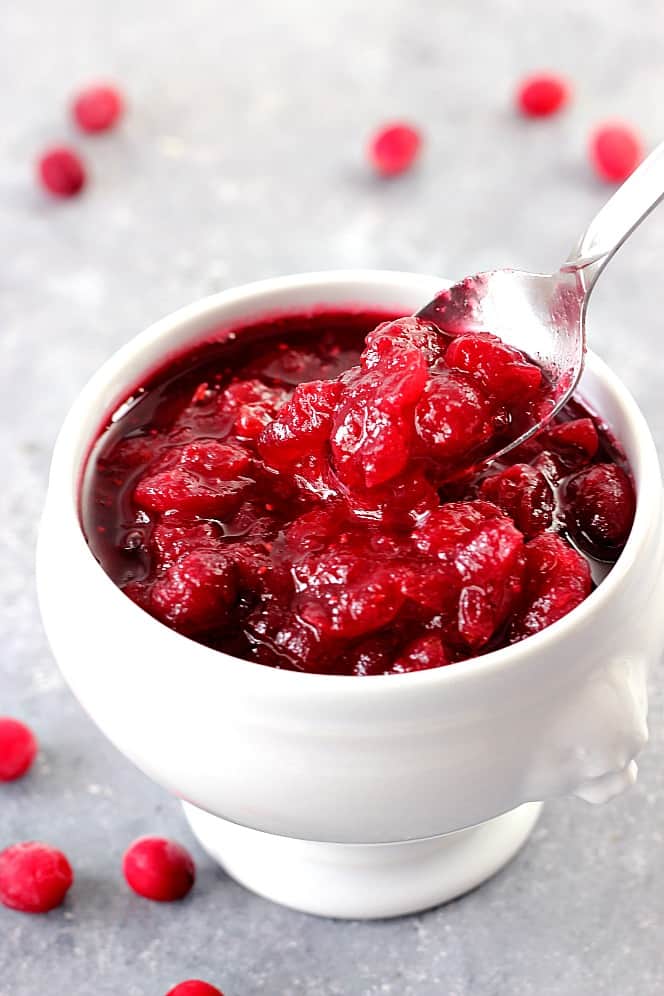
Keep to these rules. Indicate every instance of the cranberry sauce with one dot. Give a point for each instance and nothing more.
(295, 495)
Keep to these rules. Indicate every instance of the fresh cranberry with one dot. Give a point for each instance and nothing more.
(601, 508)
(98, 108)
(159, 869)
(34, 877)
(542, 94)
(524, 493)
(18, 748)
(394, 148)
(615, 151)
(194, 987)
(62, 172)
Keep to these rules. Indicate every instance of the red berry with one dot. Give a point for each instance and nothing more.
(159, 869)
(372, 427)
(422, 654)
(388, 337)
(34, 877)
(578, 435)
(394, 148)
(524, 493)
(485, 553)
(61, 172)
(502, 370)
(206, 480)
(541, 94)
(601, 508)
(17, 749)
(304, 423)
(194, 987)
(453, 417)
(252, 404)
(615, 151)
(196, 592)
(557, 580)
(171, 541)
(341, 593)
(97, 108)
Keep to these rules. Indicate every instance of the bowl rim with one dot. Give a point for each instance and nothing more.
(67, 466)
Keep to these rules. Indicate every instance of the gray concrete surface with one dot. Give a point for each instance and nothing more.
(242, 157)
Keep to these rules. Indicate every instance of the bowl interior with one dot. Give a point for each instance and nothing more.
(400, 292)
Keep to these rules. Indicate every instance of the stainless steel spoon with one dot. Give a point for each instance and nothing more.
(544, 315)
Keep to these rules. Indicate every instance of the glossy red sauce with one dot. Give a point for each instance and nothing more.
(297, 495)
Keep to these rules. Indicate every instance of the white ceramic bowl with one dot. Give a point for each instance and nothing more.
(345, 759)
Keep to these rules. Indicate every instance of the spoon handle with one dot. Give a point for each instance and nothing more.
(615, 222)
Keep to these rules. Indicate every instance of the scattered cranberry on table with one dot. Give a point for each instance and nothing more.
(615, 151)
(18, 748)
(542, 94)
(194, 987)
(98, 108)
(159, 869)
(34, 877)
(394, 148)
(61, 172)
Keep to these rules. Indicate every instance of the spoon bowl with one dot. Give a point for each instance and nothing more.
(543, 315)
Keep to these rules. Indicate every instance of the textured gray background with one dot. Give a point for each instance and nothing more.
(242, 157)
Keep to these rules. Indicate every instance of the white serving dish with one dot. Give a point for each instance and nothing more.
(333, 762)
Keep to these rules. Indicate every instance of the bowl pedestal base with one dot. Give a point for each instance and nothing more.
(363, 881)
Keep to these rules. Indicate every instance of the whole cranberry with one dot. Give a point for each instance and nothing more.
(159, 869)
(542, 94)
(34, 877)
(194, 987)
(394, 148)
(615, 151)
(18, 748)
(524, 494)
(577, 438)
(601, 508)
(97, 108)
(61, 172)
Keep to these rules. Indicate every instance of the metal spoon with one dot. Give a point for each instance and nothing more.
(544, 315)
